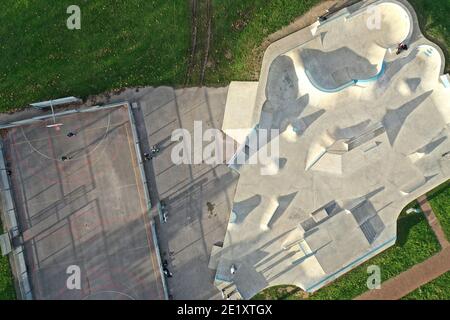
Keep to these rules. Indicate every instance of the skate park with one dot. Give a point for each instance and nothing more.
(363, 130)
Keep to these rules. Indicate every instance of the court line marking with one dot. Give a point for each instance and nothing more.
(109, 291)
(118, 124)
(152, 253)
(52, 201)
(78, 260)
(85, 154)
(147, 247)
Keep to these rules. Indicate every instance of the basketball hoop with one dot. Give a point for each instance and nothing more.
(55, 125)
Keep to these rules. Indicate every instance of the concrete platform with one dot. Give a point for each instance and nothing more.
(198, 196)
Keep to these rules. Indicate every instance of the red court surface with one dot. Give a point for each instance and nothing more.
(88, 211)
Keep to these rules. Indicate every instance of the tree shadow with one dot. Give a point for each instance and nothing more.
(405, 224)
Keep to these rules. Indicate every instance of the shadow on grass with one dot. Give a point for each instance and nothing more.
(405, 224)
(280, 292)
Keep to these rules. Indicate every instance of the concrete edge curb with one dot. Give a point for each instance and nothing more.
(19, 267)
(146, 194)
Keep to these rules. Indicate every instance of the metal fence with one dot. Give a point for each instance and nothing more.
(147, 196)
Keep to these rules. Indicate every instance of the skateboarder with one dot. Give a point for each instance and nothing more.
(233, 269)
(401, 47)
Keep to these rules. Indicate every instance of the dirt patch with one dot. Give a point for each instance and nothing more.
(208, 40)
(194, 23)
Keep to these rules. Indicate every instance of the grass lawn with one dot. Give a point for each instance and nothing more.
(120, 44)
(415, 243)
(438, 289)
(239, 28)
(439, 200)
(138, 42)
(7, 291)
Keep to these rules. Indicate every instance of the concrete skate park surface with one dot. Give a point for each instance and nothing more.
(88, 211)
(198, 197)
(363, 132)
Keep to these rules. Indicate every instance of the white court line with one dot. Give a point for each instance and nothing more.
(108, 291)
(50, 158)
(60, 135)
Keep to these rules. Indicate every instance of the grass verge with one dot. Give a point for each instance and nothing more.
(438, 289)
(7, 291)
(435, 24)
(239, 28)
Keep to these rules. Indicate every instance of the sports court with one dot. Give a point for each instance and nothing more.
(88, 210)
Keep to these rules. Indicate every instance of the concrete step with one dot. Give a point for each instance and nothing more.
(228, 290)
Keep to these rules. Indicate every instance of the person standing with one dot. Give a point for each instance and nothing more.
(71, 134)
(147, 156)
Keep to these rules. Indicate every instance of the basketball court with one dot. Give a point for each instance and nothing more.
(80, 202)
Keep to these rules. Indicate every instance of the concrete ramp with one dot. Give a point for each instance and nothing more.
(239, 110)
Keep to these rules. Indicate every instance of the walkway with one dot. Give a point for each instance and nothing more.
(433, 221)
(422, 273)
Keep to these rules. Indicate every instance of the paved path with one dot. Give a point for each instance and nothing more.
(422, 273)
(406, 282)
(433, 221)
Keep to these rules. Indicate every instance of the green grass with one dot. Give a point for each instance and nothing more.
(438, 289)
(120, 44)
(439, 200)
(435, 23)
(281, 292)
(415, 243)
(239, 29)
(7, 291)
(142, 42)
